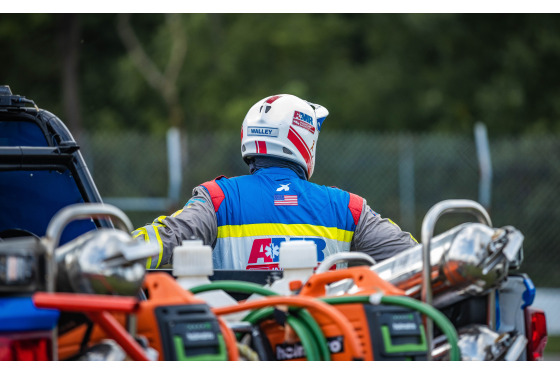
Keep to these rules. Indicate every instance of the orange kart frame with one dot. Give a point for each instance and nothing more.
(107, 312)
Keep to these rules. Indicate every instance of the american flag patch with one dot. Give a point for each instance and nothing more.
(285, 200)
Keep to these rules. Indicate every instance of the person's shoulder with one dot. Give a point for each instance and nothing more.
(334, 191)
(338, 190)
(225, 179)
(224, 182)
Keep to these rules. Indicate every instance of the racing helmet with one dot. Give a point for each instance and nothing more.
(283, 126)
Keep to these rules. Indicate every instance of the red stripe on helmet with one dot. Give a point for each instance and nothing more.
(261, 147)
(272, 99)
(296, 139)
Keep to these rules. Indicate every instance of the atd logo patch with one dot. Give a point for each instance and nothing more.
(265, 253)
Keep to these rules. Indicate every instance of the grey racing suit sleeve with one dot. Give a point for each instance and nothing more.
(379, 237)
(197, 219)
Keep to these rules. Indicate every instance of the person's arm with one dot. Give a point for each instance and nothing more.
(379, 237)
(197, 220)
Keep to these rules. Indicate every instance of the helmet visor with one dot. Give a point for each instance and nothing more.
(320, 112)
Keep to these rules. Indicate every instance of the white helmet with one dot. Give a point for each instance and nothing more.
(283, 126)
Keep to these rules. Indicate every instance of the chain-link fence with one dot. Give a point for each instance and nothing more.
(401, 175)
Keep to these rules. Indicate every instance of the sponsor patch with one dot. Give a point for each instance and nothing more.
(283, 187)
(262, 131)
(265, 252)
(304, 121)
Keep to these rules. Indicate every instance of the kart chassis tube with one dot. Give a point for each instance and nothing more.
(97, 308)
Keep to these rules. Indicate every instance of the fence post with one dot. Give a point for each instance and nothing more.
(406, 182)
(174, 164)
(485, 165)
(175, 170)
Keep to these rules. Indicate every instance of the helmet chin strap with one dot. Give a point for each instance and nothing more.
(260, 162)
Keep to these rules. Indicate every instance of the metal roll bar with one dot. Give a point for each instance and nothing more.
(344, 257)
(71, 213)
(54, 232)
(428, 226)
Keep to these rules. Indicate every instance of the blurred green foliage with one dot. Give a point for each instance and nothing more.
(425, 76)
(374, 72)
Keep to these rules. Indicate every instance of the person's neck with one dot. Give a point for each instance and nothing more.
(257, 163)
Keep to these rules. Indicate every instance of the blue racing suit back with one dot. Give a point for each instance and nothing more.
(255, 213)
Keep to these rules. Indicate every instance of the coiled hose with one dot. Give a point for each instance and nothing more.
(304, 325)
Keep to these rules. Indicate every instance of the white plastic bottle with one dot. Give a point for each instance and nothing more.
(192, 265)
(298, 259)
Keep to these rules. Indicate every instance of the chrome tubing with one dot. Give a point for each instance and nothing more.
(428, 226)
(344, 257)
(54, 231)
(71, 213)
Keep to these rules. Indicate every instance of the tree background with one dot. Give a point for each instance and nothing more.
(375, 72)
(396, 86)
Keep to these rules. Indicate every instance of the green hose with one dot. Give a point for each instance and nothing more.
(234, 286)
(307, 329)
(305, 337)
(317, 333)
(439, 318)
(306, 318)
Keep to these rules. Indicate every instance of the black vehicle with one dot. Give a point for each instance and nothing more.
(41, 170)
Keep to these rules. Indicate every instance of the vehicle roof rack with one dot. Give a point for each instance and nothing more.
(7, 99)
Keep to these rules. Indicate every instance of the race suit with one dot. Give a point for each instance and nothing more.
(246, 218)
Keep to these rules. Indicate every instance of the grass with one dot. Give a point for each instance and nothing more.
(553, 344)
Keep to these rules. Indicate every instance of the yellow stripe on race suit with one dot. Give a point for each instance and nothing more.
(158, 222)
(161, 218)
(390, 220)
(151, 232)
(140, 231)
(177, 213)
(273, 229)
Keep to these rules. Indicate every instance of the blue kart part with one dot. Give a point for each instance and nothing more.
(20, 314)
